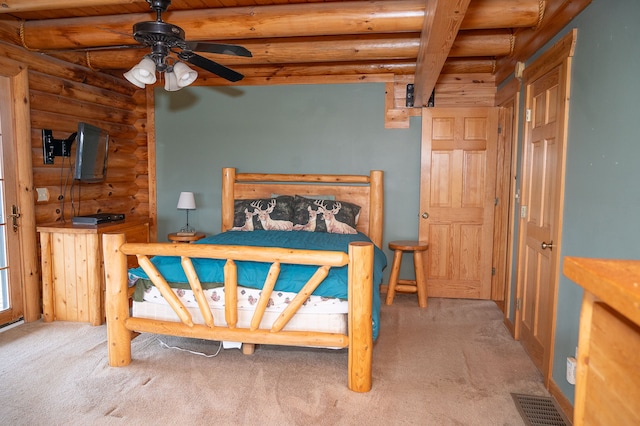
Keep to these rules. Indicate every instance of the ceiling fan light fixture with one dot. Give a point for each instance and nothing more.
(184, 75)
(165, 39)
(171, 82)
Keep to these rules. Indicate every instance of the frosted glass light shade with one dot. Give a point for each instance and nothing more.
(144, 72)
(186, 201)
(171, 82)
(184, 74)
(129, 75)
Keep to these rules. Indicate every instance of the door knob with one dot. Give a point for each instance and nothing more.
(547, 245)
(425, 215)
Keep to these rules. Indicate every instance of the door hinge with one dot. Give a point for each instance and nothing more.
(495, 203)
(493, 271)
(528, 115)
(523, 212)
(518, 304)
(499, 130)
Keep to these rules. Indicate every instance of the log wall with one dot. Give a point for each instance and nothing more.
(63, 94)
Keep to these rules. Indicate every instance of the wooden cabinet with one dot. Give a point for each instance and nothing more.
(72, 268)
(608, 377)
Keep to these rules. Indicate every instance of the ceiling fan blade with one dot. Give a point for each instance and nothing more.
(224, 49)
(209, 65)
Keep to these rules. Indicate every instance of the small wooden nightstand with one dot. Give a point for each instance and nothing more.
(185, 238)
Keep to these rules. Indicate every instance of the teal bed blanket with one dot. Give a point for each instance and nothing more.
(292, 277)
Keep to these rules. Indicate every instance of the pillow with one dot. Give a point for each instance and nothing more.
(318, 215)
(266, 213)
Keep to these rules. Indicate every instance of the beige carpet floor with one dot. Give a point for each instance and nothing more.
(453, 363)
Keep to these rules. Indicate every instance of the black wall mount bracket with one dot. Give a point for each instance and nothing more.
(410, 96)
(52, 148)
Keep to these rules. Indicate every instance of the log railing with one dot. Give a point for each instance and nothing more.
(360, 266)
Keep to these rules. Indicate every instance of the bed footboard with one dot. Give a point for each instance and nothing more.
(120, 324)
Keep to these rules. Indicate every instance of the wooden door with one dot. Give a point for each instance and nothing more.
(457, 199)
(11, 297)
(542, 181)
(508, 99)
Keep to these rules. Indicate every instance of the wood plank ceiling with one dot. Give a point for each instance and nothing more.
(294, 41)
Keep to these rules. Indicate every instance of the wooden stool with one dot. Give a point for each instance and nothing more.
(419, 285)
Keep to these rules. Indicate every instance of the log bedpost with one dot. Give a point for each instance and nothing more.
(376, 206)
(360, 316)
(228, 181)
(117, 300)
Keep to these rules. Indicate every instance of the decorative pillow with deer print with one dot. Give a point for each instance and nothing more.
(267, 214)
(333, 216)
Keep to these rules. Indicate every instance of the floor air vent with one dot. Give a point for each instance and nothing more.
(539, 410)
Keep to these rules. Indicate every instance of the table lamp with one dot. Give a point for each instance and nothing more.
(187, 202)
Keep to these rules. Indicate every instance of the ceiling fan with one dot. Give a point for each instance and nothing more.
(164, 39)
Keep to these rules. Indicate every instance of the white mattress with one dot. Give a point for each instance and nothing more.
(317, 314)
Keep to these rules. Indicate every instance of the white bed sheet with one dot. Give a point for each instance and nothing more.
(317, 314)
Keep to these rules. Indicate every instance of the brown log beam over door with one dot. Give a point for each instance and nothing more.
(442, 20)
(457, 199)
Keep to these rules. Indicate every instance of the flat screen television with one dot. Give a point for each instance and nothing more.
(91, 153)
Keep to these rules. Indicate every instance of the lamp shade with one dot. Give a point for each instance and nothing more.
(171, 81)
(130, 76)
(184, 74)
(186, 201)
(142, 73)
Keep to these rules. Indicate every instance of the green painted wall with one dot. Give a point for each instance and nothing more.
(602, 201)
(283, 129)
(340, 129)
(602, 195)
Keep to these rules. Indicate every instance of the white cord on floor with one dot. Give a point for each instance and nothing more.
(164, 345)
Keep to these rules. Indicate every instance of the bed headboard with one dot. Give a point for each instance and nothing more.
(363, 190)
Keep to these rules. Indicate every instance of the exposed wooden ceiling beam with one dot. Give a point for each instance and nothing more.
(14, 6)
(293, 20)
(380, 48)
(307, 19)
(528, 40)
(396, 67)
(442, 19)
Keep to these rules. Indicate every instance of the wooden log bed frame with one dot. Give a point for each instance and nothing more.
(363, 190)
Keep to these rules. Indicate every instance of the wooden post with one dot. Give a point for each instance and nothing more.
(228, 180)
(360, 316)
(376, 204)
(117, 300)
(231, 293)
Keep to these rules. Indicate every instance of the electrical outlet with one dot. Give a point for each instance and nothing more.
(43, 194)
(571, 370)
